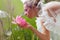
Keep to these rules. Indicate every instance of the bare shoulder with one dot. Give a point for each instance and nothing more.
(52, 4)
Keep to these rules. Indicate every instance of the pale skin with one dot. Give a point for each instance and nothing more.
(32, 12)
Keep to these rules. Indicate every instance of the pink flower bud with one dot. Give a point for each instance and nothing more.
(20, 21)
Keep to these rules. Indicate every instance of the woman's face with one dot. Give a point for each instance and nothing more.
(30, 11)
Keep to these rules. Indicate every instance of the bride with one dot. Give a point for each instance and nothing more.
(50, 16)
(47, 18)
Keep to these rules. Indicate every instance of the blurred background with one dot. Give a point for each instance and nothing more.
(9, 31)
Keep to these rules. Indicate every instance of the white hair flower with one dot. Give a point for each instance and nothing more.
(25, 1)
(28, 1)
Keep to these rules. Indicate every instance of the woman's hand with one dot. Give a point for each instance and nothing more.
(45, 31)
(20, 22)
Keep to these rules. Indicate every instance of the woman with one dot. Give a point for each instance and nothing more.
(47, 19)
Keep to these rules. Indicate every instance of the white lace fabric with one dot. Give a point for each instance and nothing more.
(49, 24)
(53, 27)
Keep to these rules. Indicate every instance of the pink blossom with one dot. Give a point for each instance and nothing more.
(20, 21)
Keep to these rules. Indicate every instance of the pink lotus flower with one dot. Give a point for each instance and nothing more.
(20, 21)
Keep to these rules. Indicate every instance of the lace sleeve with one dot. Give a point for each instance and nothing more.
(51, 26)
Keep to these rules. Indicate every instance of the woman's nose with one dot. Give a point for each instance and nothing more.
(25, 10)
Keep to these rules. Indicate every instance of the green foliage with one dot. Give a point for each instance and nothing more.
(14, 8)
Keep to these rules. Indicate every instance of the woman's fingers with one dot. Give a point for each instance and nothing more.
(13, 21)
(13, 18)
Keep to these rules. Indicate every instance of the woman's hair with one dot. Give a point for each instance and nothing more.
(37, 3)
(30, 1)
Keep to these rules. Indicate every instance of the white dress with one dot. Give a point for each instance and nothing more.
(50, 24)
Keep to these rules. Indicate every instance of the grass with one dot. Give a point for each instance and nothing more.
(14, 8)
